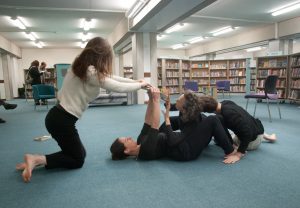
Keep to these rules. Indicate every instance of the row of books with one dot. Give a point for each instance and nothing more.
(172, 74)
(202, 82)
(172, 82)
(273, 63)
(295, 83)
(173, 90)
(296, 61)
(237, 64)
(218, 74)
(237, 80)
(237, 73)
(172, 65)
(296, 72)
(266, 72)
(200, 65)
(200, 74)
(237, 88)
(185, 66)
(218, 66)
(280, 83)
(185, 74)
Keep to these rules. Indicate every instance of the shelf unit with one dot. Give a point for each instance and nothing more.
(49, 78)
(253, 72)
(237, 75)
(276, 65)
(200, 73)
(185, 73)
(218, 71)
(294, 78)
(128, 72)
(159, 73)
(172, 72)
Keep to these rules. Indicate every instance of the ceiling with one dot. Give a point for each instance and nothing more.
(56, 22)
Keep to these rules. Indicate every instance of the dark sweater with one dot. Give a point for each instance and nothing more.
(238, 120)
(35, 75)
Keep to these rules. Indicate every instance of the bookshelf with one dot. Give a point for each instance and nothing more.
(253, 79)
(128, 72)
(49, 78)
(200, 73)
(218, 71)
(172, 70)
(159, 73)
(276, 65)
(294, 78)
(237, 75)
(185, 72)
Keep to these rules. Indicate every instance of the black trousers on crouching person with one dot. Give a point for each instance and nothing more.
(61, 126)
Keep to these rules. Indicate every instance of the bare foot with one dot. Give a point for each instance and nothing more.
(270, 138)
(31, 161)
(21, 166)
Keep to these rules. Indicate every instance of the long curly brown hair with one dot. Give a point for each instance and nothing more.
(191, 107)
(98, 53)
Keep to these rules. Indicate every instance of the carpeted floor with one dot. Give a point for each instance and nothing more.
(266, 178)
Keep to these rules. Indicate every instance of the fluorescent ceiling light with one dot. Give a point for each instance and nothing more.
(87, 24)
(85, 36)
(286, 9)
(195, 40)
(136, 8)
(29, 35)
(18, 23)
(174, 28)
(38, 44)
(222, 30)
(254, 49)
(177, 46)
(160, 36)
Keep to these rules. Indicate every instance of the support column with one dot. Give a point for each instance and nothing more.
(144, 61)
(7, 68)
(280, 47)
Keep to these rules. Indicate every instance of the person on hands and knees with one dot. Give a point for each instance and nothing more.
(249, 131)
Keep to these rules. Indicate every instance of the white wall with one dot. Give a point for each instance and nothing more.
(10, 47)
(296, 46)
(170, 53)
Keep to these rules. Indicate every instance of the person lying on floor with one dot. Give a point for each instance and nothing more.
(185, 145)
(249, 131)
(7, 106)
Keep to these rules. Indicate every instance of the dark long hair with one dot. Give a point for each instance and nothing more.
(209, 103)
(98, 53)
(35, 63)
(191, 107)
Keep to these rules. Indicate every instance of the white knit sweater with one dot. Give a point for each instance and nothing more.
(75, 94)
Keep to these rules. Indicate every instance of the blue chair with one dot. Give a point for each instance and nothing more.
(41, 91)
(270, 93)
(191, 85)
(223, 86)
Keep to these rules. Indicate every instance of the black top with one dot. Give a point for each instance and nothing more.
(238, 120)
(35, 74)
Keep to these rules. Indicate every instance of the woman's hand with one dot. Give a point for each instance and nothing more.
(145, 85)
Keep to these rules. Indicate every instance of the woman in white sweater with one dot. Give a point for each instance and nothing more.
(90, 70)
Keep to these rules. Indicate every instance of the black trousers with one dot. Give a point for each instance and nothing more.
(61, 126)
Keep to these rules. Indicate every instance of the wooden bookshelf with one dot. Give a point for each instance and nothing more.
(172, 67)
(185, 73)
(294, 78)
(218, 71)
(237, 75)
(200, 74)
(253, 79)
(276, 65)
(159, 73)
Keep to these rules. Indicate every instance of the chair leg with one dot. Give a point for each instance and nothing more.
(254, 109)
(269, 110)
(247, 104)
(279, 109)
